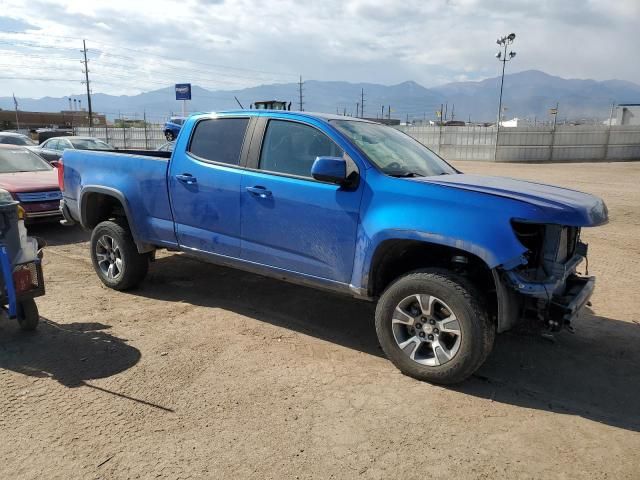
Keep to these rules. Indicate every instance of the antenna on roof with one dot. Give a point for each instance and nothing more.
(238, 102)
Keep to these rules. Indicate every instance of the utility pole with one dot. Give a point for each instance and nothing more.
(357, 109)
(300, 93)
(453, 112)
(504, 58)
(362, 103)
(554, 112)
(389, 112)
(86, 77)
(382, 111)
(15, 103)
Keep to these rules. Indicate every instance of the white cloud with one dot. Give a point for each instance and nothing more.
(265, 41)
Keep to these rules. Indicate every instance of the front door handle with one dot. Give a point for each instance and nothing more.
(187, 178)
(259, 192)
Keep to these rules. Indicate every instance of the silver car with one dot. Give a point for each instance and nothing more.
(52, 148)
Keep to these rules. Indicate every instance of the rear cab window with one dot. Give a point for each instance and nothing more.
(219, 140)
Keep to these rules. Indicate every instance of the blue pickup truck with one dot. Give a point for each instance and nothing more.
(349, 206)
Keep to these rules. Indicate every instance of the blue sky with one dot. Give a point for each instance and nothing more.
(225, 44)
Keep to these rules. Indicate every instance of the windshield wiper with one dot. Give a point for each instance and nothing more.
(404, 174)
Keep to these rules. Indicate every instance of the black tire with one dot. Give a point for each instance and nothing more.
(133, 266)
(477, 332)
(28, 316)
(169, 135)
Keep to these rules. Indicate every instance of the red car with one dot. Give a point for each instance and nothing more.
(30, 180)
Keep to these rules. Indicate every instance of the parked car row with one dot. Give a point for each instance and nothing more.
(28, 171)
(52, 149)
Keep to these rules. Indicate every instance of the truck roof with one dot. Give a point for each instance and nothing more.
(286, 113)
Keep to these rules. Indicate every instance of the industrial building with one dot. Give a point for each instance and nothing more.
(35, 120)
(627, 114)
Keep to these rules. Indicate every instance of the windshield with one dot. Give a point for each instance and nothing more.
(90, 144)
(393, 152)
(16, 140)
(14, 160)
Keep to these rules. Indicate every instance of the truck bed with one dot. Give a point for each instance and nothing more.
(142, 174)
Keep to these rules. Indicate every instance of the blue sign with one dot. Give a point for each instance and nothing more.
(183, 91)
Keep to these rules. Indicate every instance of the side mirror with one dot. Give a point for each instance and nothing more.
(55, 163)
(330, 169)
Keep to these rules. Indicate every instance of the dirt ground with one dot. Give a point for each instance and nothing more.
(207, 372)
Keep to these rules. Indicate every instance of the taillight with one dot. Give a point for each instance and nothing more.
(60, 168)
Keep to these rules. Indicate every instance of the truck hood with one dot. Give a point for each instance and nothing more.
(42, 181)
(561, 205)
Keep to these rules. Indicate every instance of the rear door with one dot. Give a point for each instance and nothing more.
(289, 220)
(204, 186)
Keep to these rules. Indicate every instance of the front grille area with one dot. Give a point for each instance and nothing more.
(567, 243)
(49, 196)
(549, 247)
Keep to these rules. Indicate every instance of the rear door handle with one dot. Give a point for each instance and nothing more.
(259, 192)
(187, 178)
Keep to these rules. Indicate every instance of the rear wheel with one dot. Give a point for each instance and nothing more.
(169, 135)
(433, 326)
(27, 314)
(115, 256)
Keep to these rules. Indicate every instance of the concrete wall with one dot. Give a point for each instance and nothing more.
(583, 143)
(592, 143)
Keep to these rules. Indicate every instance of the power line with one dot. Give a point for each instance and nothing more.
(145, 52)
(41, 79)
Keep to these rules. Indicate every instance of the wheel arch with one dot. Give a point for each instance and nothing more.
(99, 203)
(395, 257)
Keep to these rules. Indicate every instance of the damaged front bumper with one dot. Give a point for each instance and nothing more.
(556, 301)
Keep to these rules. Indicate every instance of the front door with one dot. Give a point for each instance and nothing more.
(204, 185)
(291, 221)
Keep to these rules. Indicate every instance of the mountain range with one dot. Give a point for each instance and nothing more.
(527, 94)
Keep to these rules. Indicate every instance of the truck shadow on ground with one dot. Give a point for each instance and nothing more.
(68, 353)
(594, 373)
(55, 234)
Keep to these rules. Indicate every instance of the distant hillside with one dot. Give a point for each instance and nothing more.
(527, 94)
(532, 93)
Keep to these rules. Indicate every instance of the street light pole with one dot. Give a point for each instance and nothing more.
(503, 57)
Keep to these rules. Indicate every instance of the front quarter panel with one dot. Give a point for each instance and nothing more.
(401, 209)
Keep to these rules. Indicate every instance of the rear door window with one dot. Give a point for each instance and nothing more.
(219, 140)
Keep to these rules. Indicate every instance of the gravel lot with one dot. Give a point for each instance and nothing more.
(207, 372)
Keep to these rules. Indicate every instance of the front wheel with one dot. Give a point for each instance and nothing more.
(115, 256)
(169, 135)
(433, 327)
(27, 314)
